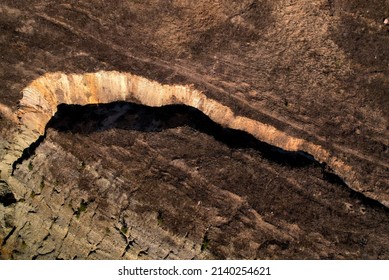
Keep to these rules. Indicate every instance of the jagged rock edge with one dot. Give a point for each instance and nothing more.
(43, 95)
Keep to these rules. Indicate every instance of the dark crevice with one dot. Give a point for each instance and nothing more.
(332, 178)
(7, 198)
(92, 118)
(28, 152)
(367, 200)
(130, 116)
(8, 236)
(205, 242)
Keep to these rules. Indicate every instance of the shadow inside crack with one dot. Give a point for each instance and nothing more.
(123, 115)
(285, 186)
(88, 119)
(7, 198)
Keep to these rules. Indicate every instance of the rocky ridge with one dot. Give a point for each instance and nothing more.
(42, 96)
(146, 185)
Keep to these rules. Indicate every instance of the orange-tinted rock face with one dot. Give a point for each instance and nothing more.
(43, 95)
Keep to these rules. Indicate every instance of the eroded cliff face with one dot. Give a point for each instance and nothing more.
(309, 75)
(55, 201)
(42, 97)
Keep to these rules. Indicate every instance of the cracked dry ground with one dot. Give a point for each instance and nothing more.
(156, 184)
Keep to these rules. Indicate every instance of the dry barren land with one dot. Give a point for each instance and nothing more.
(194, 129)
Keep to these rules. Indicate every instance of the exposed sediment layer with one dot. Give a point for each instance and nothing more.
(43, 95)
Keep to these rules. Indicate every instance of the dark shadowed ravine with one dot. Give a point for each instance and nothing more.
(88, 172)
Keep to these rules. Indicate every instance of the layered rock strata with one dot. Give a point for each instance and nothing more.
(42, 97)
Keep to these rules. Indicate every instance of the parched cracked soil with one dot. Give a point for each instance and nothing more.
(124, 180)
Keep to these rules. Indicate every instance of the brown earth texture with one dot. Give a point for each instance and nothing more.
(175, 129)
